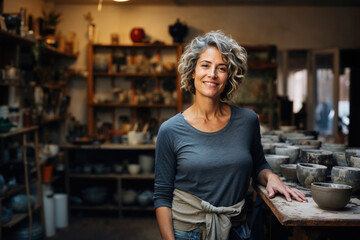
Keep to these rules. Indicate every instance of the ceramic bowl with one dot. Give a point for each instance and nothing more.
(351, 152)
(333, 147)
(296, 139)
(94, 195)
(291, 151)
(354, 161)
(134, 168)
(19, 203)
(339, 159)
(346, 175)
(308, 172)
(146, 163)
(275, 161)
(316, 144)
(320, 157)
(303, 150)
(331, 196)
(289, 172)
(129, 197)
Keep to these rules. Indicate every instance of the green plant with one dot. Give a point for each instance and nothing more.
(52, 18)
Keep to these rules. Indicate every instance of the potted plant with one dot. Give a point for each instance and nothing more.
(51, 20)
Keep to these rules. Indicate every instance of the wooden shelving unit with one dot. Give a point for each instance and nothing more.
(95, 76)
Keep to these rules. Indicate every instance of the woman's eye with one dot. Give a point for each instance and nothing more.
(205, 65)
(222, 69)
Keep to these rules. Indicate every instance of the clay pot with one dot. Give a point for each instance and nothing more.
(137, 35)
(331, 196)
(291, 151)
(354, 161)
(320, 157)
(346, 175)
(351, 152)
(275, 161)
(289, 172)
(308, 172)
(339, 159)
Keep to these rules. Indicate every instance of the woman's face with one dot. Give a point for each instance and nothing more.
(210, 75)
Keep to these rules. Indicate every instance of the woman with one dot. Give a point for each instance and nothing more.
(206, 155)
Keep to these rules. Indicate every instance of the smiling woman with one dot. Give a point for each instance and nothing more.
(206, 155)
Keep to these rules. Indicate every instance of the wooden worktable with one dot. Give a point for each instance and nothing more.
(305, 215)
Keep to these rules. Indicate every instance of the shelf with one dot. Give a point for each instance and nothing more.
(9, 84)
(113, 175)
(136, 45)
(55, 119)
(110, 146)
(261, 65)
(18, 132)
(15, 39)
(133, 75)
(95, 207)
(60, 85)
(55, 52)
(137, 208)
(133, 105)
(17, 217)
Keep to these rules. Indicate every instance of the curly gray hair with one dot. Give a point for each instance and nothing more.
(233, 54)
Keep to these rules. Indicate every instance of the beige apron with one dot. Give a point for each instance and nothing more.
(190, 212)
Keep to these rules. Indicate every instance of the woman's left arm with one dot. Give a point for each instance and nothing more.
(274, 185)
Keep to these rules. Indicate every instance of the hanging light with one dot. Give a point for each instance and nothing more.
(120, 0)
(100, 5)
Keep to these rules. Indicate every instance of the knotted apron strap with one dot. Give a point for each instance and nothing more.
(190, 212)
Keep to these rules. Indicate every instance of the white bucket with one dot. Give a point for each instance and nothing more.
(61, 210)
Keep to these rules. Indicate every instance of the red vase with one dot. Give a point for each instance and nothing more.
(137, 35)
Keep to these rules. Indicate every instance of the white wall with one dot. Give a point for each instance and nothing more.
(286, 27)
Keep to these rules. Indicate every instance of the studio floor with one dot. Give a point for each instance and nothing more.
(109, 228)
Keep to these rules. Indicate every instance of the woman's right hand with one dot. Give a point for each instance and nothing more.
(164, 220)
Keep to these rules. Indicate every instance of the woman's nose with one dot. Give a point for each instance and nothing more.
(212, 72)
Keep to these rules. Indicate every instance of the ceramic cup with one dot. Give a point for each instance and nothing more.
(346, 175)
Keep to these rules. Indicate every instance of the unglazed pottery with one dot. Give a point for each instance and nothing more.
(291, 151)
(321, 157)
(333, 147)
(346, 175)
(275, 161)
(331, 196)
(308, 172)
(313, 143)
(339, 159)
(289, 172)
(354, 161)
(351, 152)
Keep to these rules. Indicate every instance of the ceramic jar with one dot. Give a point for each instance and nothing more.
(137, 35)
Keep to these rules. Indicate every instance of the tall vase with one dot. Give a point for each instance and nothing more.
(91, 32)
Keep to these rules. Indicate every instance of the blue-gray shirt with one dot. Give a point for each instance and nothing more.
(215, 167)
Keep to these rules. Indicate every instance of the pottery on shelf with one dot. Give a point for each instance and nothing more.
(178, 31)
(346, 175)
(137, 35)
(331, 196)
(308, 172)
(275, 161)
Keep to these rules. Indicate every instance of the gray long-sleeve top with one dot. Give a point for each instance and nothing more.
(215, 167)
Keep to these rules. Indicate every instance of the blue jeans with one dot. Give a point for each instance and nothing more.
(239, 233)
